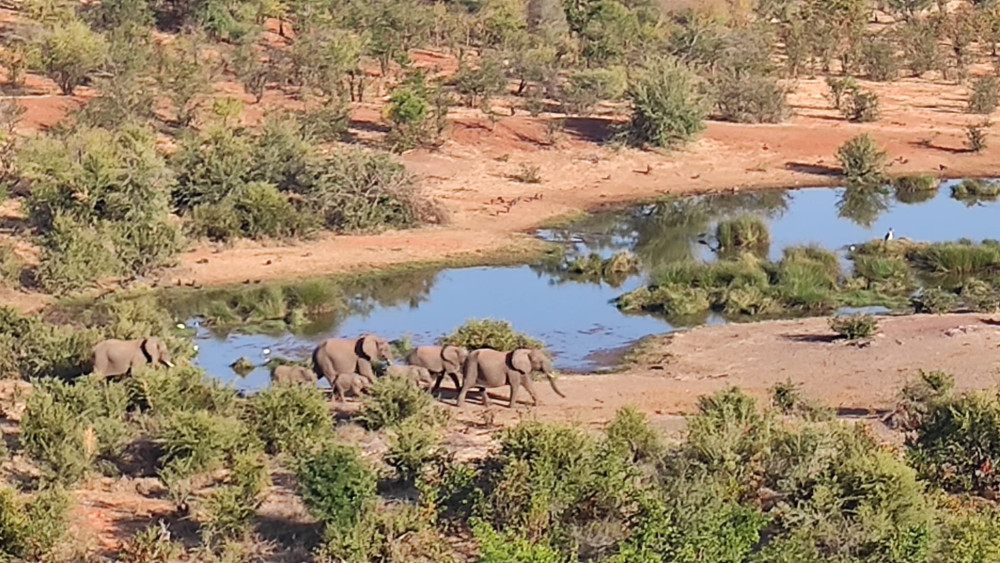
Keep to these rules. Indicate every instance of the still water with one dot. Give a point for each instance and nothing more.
(576, 320)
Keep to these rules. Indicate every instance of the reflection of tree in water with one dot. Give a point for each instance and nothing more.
(863, 204)
(662, 232)
(364, 295)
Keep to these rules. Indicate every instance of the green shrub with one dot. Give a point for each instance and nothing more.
(69, 53)
(67, 427)
(985, 95)
(197, 441)
(31, 527)
(263, 211)
(975, 136)
(392, 532)
(585, 88)
(231, 508)
(875, 268)
(974, 189)
(336, 485)
(934, 300)
(393, 400)
(326, 123)
(958, 441)
(744, 231)
(879, 60)
(969, 533)
(961, 258)
(785, 396)
(73, 256)
(151, 544)
(630, 429)
(412, 445)
(666, 109)
(183, 388)
(727, 431)
(751, 99)
(839, 89)
(289, 418)
(528, 174)
(915, 183)
(489, 333)
(854, 327)
(31, 348)
(862, 160)
(497, 547)
(861, 106)
(11, 267)
(613, 270)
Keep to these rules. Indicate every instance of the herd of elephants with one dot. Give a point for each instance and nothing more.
(347, 363)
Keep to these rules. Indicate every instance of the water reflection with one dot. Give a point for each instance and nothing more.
(572, 314)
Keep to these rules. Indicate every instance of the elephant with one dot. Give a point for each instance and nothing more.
(440, 361)
(119, 357)
(417, 375)
(350, 355)
(292, 375)
(353, 382)
(491, 368)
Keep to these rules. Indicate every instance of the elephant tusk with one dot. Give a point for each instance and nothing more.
(169, 364)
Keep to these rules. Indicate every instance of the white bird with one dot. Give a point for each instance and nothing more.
(266, 351)
(888, 236)
(181, 326)
(195, 347)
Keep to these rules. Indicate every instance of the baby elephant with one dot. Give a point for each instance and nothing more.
(353, 382)
(419, 376)
(292, 375)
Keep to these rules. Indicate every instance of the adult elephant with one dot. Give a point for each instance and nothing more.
(350, 355)
(120, 357)
(487, 368)
(440, 361)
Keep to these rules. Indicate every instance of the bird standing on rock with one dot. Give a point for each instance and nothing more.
(888, 236)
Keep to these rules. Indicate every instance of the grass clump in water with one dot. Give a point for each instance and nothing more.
(745, 231)
(910, 183)
(613, 270)
(973, 190)
(854, 327)
(962, 258)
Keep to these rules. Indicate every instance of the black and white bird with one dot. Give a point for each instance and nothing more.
(888, 235)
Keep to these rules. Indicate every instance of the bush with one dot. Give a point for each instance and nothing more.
(975, 136)
(31, 348)
(489, 333)
(934, 300)
(197, 441)
(528, 174)
(289, 418)
(861, 106)
(30, 528)
(392, 532)
(256, 210)
(879, 60)
(151, 544)
(412, 445)
(666, 108)
(336, 485)
(915, 183)
(69, 53)
(163, 392)
(393, 400)
(751, 99)
(66, 427)
(974, 189)
(232, 507)
(497, 547)
(585, 88)
(862, 161)
(854, 327)
(630, 430)
(407, 111)
(958, 441)
(840, 88)
(745, 231)
(985, 95)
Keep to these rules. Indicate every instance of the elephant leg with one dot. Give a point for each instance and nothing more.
(454, 379)
(486, 397)
(515, 385)
(365, 369)
(530, 387)
(461, 397)
(437, 384)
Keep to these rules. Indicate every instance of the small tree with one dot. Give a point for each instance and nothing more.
(667, 109)
(862, 160)
(985, 95)
(69, 53)
(407, 112)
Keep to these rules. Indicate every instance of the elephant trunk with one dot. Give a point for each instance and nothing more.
(552, 382)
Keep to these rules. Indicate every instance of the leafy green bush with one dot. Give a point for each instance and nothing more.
(151, 544)
(66, 427)
(957, 442)
(31, 348)
(30, 527)
(392, 532)
(915, 183)
(751, 99)
(879, 60)
(183, 388)
(497, 547)
(336, 485)
(232, 507)
(289, 418)
(69, 53)
(862, 160)
(934, 300)
(744, 231)
(975, 136)
(666, 108)
(585, 88)
(854, 327)
(393, 400)
(489, 333)
(630, 430)
(412, 445)
(839, 89)
(985, 95)
(197, 441)
(860, 106)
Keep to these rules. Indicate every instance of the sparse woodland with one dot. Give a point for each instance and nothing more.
(226, 119)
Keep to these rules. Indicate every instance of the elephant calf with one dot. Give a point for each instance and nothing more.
(120, 357)
(440, 361)
(353, 382)
(418, 376)
(292, 375)
(490, 368)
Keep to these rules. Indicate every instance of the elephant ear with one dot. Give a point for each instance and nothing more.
(151, 348)
(452, 355)
(521, 360)
(369, 346)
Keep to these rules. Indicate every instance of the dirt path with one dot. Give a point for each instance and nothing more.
(675, 370)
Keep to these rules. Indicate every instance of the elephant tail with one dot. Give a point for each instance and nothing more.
(552, 382)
